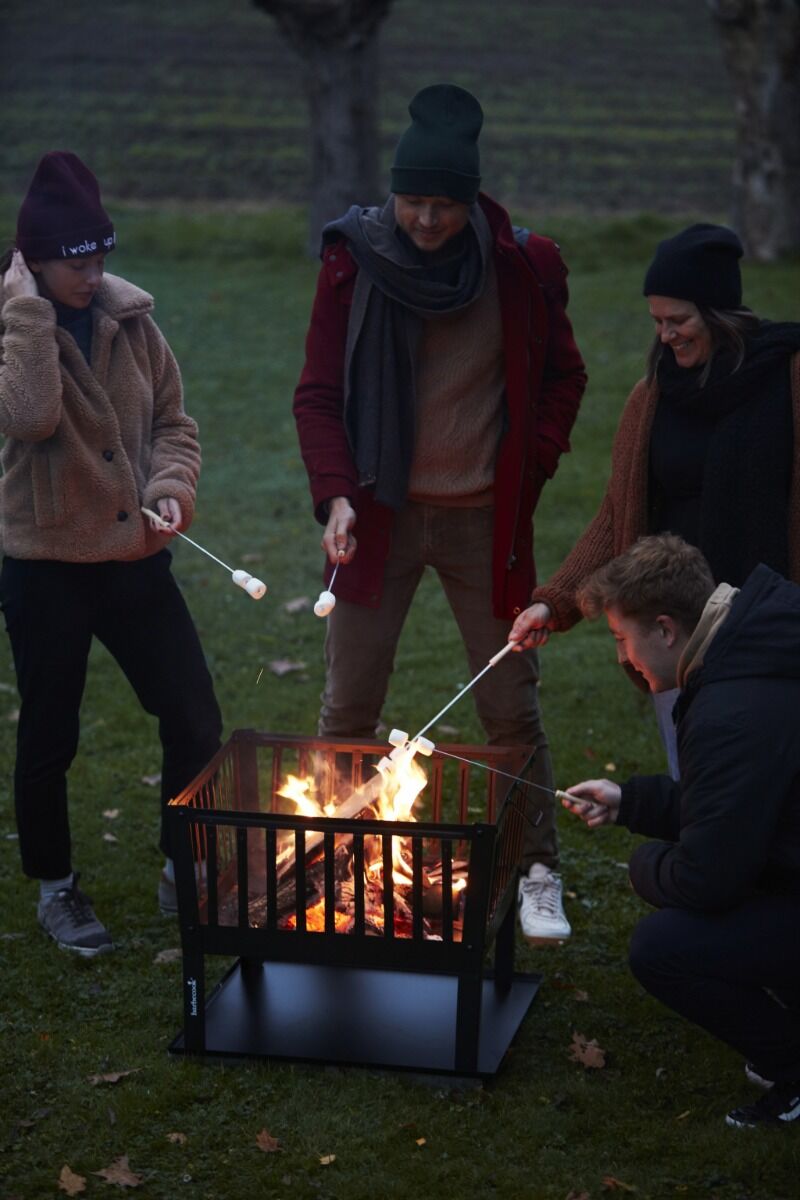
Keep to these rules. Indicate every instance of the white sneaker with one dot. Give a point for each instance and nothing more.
(541, 911)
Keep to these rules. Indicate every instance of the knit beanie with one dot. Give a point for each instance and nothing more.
(438, 153)
(61, 215)
(700, 264)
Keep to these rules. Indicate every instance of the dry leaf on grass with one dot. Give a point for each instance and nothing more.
(180, 1139)
(266, 1142)
(109, 837)
(588, 1053)
(152, 780)
(682, 1116)
(610, 766)
(421, 1141)
(120, 1173)
(298, 604)
(327, 1159)
(111, 814)
(168, 956)
(110, 1077)
(282, 666)
(71, 1183)
(612, 1184)
(252, 557)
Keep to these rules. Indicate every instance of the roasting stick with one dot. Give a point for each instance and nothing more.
(492, 661)
(243, 579)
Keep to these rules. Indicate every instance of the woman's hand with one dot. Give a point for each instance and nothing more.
(170, 511)
(18, 279)
(532, 627)
(595, 801)
(337, 540)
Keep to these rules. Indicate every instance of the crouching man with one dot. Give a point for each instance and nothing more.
(723, 947)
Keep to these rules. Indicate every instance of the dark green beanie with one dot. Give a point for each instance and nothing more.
(438, 153)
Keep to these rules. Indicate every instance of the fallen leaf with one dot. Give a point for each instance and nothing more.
(612, 1184)
(421, 1141)
(589, 1054)
(682, 1116)
(168, 956)
(298, 604)
(327, 1159)
(282, 666)
(580, 995)
(109, 837)
(71, 1183)
(179, 1139)
(610, 766)
(251, 558)
(449, 729)
(111, 814)
(111, 1077)
(266, 1142)
(152, 780)
(120, 1173)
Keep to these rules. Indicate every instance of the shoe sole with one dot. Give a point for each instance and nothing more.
(83, 951)
(546, 941)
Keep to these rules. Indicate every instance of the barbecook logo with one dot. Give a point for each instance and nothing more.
(192, 986)
(89, 247)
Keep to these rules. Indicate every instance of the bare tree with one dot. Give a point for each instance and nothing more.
(761, 43)
(338, 45)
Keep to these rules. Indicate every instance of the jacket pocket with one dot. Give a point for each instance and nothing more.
(48, 489)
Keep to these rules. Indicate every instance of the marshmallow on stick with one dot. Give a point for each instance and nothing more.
(243, 579)
(327, 601)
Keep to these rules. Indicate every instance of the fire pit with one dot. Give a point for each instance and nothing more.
(359, 938)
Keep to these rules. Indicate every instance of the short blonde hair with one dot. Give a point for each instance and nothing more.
(659, 574)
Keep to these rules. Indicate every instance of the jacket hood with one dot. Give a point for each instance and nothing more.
(760, 637)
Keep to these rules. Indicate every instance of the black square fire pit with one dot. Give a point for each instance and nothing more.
(333, 966)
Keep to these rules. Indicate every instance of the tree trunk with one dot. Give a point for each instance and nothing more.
(337, 41)
(761, 43)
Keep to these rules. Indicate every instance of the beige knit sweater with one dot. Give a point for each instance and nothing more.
(84, 448)
(622, 515)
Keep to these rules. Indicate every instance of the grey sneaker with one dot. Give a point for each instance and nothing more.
(541, 911)
(68, 917)
(167, 896)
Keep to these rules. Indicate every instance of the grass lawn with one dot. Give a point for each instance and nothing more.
(232, 296)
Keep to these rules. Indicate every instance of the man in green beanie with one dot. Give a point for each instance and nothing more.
(440, 386)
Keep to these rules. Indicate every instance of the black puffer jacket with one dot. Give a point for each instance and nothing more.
(732, 823)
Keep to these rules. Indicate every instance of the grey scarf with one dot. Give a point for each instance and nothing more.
(397, 288)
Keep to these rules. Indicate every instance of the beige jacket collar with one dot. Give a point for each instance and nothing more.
(712, 617)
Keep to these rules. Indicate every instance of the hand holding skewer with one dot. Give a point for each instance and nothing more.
(595, 801)
(243, 579)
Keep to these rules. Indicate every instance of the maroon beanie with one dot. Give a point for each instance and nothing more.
(61, 216)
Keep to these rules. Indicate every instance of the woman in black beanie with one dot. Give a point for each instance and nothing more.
(91, 409)
(707, 446)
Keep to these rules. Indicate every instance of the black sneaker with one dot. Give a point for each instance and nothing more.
(755, 1077)
(68, 917)
(779, 1105)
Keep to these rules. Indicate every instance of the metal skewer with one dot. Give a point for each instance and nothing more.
(492, 661)
(254, 587)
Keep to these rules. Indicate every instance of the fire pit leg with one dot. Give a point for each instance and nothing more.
(468, 1023)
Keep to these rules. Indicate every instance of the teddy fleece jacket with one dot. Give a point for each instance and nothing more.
(85, 446)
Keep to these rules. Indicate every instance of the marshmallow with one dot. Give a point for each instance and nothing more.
(423, 745)
(255, 588)
(241, 578)
(325, 604)
(398, 737)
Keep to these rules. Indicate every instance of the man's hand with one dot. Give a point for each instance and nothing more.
(337, 540)
(531, 627)
(18, 279)
(596, 801)
(170, 511)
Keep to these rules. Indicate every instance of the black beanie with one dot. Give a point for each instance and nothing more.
(700, 264)
(61, 215)
(438, 153)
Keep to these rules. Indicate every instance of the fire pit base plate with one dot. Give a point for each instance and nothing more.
(357, 1017)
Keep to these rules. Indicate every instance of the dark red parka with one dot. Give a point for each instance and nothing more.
(545, 379)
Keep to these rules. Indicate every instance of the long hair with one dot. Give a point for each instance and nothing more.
(5, 259)
(728, 328)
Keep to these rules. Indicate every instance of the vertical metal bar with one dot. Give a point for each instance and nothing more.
(388, 886)
(447, 890)
(300, 879)
(463, 792)
(330, 883)
(242, 883)
(358, 882)
(247, 781)
(213, 913)
(272, 879)
(277, 772)
(416, 888)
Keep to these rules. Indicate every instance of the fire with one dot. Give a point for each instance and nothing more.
(391, 797)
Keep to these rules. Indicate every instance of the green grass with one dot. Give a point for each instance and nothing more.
(233, 292)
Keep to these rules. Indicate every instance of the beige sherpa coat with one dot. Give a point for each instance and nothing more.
(86, 447)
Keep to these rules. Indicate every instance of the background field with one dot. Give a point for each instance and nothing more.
(627, 105)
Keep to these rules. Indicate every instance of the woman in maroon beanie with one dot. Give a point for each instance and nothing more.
(91, 409)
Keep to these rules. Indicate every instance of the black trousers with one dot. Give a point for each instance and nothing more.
(715, 969)
(52, 612)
